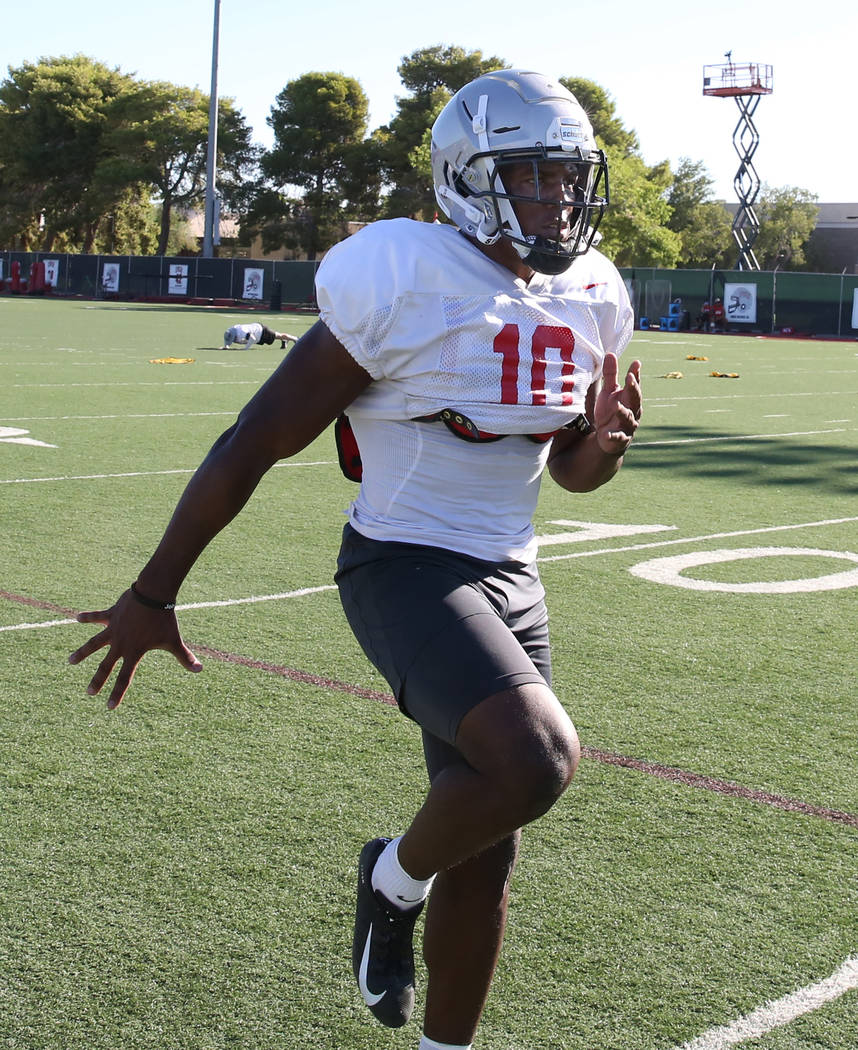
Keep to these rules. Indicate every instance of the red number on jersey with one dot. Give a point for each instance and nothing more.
(545, 337)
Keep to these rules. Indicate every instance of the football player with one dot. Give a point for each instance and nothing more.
(462, 360)
(248, 335)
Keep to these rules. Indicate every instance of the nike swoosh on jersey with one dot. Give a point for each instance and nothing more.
(370, 998)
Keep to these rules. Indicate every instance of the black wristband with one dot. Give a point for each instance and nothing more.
(150, 603)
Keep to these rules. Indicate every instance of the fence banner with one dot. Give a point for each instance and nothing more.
(740, 302)
(855, 308)
(52, 272)
(178, 283)
(110, 277)
(252, 283)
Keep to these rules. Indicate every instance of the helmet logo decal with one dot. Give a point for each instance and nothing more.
(516, 117)
(569, 133)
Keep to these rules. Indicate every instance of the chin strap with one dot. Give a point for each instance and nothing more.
(547, 262)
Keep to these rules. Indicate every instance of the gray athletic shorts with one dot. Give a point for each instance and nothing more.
(446, 630)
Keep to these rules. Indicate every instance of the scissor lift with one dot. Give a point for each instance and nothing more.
(746, 83)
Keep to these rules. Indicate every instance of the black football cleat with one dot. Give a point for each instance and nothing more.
(382, 951)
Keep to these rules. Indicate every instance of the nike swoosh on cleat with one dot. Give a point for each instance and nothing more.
(370, 998)
(408, 900)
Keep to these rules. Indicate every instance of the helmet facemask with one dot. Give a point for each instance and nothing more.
(561, 194)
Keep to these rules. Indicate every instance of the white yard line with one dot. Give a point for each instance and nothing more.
(147, 473)
(697, 539)
(193, 605)
(743, 397)
(741, 437)
(36, 626)
(554, 557)
(320, 463)
(169, 382)
(780, 1012)
(138, 415)
(258, 598)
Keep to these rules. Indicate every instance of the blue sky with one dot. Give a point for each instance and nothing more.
(649, 57)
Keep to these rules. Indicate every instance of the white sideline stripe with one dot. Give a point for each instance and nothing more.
(779, 1012)
(193, 605)
(742, 437)
(696, 539)
(145, 473)
(36, 626)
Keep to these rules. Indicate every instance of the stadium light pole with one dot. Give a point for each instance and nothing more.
(211, 173)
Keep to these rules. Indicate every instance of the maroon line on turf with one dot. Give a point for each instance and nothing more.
(293, 674)
(679, 776)
(671, 773)
(36, 603)
(723, 787)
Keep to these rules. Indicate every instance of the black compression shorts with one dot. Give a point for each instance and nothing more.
(446, 630)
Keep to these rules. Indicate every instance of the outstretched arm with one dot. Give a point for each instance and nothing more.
(581, 464)
(316, 381)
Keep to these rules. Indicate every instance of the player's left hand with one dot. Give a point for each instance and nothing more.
(618, 408)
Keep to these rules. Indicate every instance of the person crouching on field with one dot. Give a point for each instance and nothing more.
(248, 335)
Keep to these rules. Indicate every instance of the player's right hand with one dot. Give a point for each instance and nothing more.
(130, 631)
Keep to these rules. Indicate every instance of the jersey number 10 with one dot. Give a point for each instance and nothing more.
(545, 336)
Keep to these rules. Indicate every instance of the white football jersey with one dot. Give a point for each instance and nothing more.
(439, 325)
(246, 334)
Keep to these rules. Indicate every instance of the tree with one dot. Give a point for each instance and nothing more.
(54, 117)
(160, 137)
(82, 148)
(432, 75)
(703, 225)
(600, 108)
(130, 227)
(787, 219)
(635, 230)
(319, 123)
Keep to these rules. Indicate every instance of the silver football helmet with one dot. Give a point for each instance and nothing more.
(511, 117)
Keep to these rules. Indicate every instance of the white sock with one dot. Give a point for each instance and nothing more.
(393, 881)
(430, 1044)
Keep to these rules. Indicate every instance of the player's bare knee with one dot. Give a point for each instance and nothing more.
(525, 743)
(543, 772)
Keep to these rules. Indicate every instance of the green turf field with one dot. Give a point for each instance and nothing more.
(179, 873)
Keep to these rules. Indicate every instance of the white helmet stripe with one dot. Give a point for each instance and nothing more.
(479, 123)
